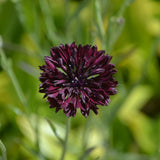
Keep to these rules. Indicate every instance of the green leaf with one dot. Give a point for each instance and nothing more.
(142, 127)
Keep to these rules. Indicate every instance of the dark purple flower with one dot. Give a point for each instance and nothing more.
(77, 77)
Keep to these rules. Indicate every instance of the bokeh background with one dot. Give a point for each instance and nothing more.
(127, 129)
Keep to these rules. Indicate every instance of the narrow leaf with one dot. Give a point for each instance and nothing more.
(54, 130)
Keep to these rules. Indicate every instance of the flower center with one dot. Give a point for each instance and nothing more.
(76, 82)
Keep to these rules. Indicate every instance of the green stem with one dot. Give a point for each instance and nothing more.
(7, 66)
(99, 21)
(4, 156)
(66, 138)
(54, 131)
(66, 9)
(17, 87)
(37, 133)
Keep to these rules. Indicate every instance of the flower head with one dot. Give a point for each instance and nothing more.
(77, 77)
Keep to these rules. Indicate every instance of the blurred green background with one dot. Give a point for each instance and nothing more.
(129, 30)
